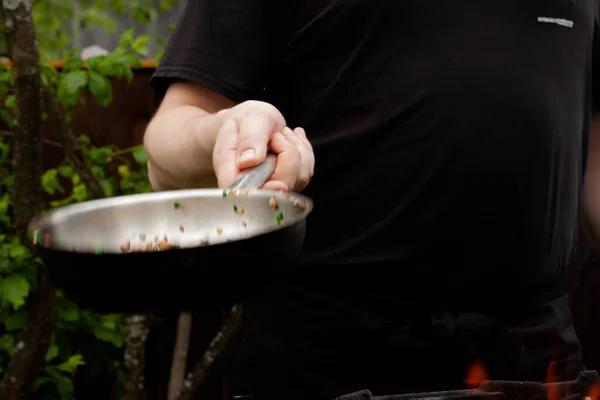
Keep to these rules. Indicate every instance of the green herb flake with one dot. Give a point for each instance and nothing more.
(142, 236)
(99, 250)
(235, 208)
(224, 193)
(279, 217)
(176, 204)
(37, 237)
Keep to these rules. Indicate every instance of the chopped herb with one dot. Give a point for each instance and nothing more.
(99, 250)
(37, 237)
(176, 204)
(224, 193)
(142, 236)
(235, 209)
(279, 217)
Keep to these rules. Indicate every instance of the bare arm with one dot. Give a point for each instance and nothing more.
(591, 191)
(180, 138)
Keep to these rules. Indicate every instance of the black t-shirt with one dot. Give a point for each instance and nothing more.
(450, 142)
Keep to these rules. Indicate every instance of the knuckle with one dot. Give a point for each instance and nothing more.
(268, 111)
(303, 180)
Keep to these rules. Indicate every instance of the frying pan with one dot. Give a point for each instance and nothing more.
(215, 245)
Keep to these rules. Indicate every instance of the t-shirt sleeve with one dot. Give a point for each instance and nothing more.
(225, 45)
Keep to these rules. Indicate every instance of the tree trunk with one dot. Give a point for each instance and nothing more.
(135, 359)
(27, 168)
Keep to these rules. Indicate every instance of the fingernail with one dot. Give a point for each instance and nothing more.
(288, 131)
(248, 154)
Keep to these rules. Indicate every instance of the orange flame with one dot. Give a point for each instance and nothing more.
(594, 391)
(476, 374)
(552, 377)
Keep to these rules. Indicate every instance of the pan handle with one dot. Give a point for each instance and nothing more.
(255, 177)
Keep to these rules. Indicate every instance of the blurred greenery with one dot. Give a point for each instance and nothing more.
(84, 345)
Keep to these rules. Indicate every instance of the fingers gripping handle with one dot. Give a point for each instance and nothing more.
(255, 177)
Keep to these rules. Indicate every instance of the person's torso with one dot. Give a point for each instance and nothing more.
(449, 140)
(447, 136)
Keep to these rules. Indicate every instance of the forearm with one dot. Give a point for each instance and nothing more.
(179, 143)
(591, 192)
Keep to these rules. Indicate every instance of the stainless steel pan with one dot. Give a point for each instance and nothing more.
(176, 250)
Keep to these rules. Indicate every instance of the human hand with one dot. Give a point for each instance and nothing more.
(251, 129)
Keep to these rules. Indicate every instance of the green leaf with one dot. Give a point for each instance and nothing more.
(139, 45)
(70, 314)
(98, 171)
(72, 363)
(75, 179)
(94, 16)
(70, 85)
(15, 322)
(80, 192)
(140, 155)
(4, 203)
(109, 187)
(73, 64)
(7, 342)
(110, 336)
(100, 155)
(52, 353)
(124, 170)
(143, 16)
(50, 182)
(83, 139)
(165, 5)
(18, 252)
(14, 289)
(100, 87)
(66, 171)
(10, 101)
(126, 37)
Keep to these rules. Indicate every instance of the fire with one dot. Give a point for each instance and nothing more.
(594, 392)
(551, 377)
(476, 374)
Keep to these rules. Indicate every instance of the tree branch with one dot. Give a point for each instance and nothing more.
(180, 352)
(139, 327)
(212, 353)
(69, 145)
(34, 340)
(49, 142)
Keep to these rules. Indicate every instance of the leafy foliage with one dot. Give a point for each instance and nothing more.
(61, 21)
(84, 344)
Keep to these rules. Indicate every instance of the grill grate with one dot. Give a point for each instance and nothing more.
(586, 384)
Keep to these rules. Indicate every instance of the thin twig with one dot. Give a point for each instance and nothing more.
(180, 353)
(69, 145)
(48, 142)
(216, 347)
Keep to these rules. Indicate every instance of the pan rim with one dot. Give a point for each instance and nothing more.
(57, 216)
